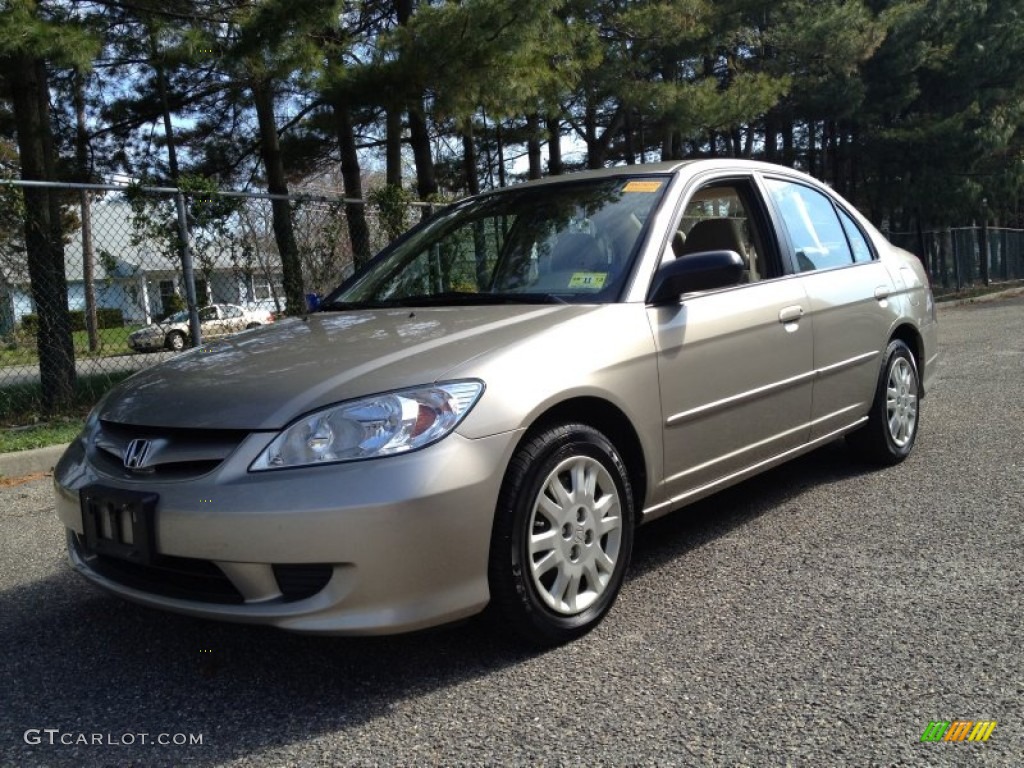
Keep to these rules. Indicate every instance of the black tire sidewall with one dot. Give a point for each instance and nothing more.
(510, 563)
(875, 442)
(172, 337)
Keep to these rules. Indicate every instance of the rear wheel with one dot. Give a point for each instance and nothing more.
(889, 434)
(250, 326)
(563, 535)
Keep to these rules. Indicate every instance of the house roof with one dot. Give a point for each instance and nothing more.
(119, 250)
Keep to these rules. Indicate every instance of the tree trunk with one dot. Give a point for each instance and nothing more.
(469, 163)
(554, 126)
(393, 146)
(812, 152)
(472, 177)
(595, 157)
(788, 155)
(273, 163)
(502, 181)
(628, 143)
(771, 140)
(666, 144)
(735, 143)
(351, 178)
(533, 146)
(165, 107)
(828, 143)
(88, 257)
(419, 137)
(854, 166)
(43, 237)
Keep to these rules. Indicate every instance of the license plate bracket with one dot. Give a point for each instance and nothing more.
(119, 523)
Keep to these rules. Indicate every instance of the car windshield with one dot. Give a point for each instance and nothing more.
(178, 317)
(570, 242)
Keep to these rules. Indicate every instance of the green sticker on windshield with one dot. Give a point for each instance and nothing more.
(592, 280)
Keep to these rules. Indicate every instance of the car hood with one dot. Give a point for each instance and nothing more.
(265, 378)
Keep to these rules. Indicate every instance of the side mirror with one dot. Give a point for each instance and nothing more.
(702, 271)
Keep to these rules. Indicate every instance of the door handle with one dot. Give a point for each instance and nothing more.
(791, 314)
(882, 292)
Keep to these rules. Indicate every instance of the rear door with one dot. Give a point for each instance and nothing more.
(848, 293)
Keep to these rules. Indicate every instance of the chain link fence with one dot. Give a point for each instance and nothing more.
(964, 257)
(135, 297)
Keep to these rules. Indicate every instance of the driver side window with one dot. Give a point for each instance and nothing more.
(718, 217)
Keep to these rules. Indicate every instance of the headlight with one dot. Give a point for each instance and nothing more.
(380, 425)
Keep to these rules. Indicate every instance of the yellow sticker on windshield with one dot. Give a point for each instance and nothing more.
(593, 280)
(642, 186)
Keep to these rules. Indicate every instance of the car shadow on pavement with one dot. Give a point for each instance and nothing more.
(672, 536)
(81, 661)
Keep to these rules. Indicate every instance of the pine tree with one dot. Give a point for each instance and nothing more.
(33, 38)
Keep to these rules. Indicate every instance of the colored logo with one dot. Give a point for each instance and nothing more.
(958, 730)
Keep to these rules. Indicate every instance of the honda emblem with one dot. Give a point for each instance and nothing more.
(136, 453)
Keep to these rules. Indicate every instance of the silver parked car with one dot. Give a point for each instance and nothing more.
(215, 320)
(484, 413)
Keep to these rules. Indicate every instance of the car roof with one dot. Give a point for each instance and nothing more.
(661, 168)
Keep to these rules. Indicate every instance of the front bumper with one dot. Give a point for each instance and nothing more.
(404, 540)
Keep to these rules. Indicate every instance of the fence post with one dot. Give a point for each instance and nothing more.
(88, 272)
(984, 255)
(186, 269)
(1004, 254)
(947, 239)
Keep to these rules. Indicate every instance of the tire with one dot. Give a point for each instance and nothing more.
(558, 552)
(175, 341)
(250, 326)
(889, 434)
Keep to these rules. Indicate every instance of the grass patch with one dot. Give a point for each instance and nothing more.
(21, 405)
(40, 435)
(113, 341)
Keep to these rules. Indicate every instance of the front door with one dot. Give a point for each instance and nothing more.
(735, 365)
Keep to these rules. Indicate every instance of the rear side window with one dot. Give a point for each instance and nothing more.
(858, 243)
(817, 236)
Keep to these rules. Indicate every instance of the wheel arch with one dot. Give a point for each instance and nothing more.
(614, 424)
(910, 336)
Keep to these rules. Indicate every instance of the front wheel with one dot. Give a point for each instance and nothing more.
(563, 535)
(891, 429)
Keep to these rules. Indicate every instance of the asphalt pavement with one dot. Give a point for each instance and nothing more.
(822, 614)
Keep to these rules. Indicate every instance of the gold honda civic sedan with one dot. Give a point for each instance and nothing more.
(480, 418)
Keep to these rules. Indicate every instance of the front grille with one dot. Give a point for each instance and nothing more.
(174, 453)
(184, 578)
